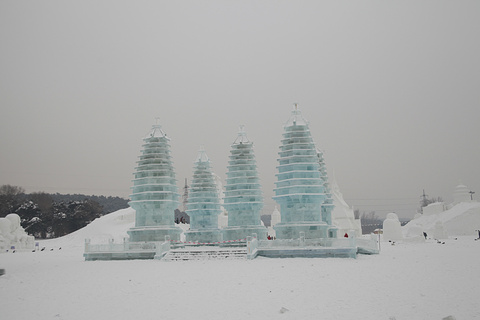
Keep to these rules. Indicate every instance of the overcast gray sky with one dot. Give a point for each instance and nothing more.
(390, 88)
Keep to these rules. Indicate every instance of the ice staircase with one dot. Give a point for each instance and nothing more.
(206, 253)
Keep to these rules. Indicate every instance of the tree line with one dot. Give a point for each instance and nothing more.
(45, 215)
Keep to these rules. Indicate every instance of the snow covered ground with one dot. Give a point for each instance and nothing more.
(405, 281)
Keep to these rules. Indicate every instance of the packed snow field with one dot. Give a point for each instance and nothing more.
(408, 280)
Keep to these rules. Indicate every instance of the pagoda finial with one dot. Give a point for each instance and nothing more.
(157, 131)
(296, 117)
(242, 135)
(241, 131)
(202, 155)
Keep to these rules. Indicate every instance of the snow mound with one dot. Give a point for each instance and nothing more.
(391, 227)
(110, 226)
(461, 219)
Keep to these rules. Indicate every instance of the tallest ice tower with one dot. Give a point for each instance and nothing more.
(300, 189)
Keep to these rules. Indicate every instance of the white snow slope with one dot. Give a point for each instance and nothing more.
(405, 281)
(461, 219)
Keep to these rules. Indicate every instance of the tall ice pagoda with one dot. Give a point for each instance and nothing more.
(203, 205)
(154, 195)
(243, 196)
(300, 188)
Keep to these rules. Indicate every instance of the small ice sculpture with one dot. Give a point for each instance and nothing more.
(243, 196)
(203, 205)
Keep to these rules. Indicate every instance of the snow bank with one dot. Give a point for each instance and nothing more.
(110, 226)
(461, 219)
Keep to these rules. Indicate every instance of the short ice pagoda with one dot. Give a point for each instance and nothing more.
(203, 204)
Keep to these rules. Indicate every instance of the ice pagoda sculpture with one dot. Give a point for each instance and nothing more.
(203, 205)
(154, 195)
(243, 196)
(300, 187)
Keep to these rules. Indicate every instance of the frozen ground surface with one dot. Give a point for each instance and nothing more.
(405, 281)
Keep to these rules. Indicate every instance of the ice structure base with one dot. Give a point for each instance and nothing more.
(238, 233)
(311, 230)
(152, 234)
(204, 236)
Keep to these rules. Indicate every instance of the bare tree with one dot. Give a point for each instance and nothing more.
(356, 213)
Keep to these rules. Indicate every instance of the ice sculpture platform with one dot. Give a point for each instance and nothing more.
(203, 235)
(230, 233)
(152, 234)
(311, 248)
(317, 230)
(180, 251)
(206, 253)
(308, 248)
(124, 251)
(308, 252)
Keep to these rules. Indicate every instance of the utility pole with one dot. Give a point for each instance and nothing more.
(424, 201)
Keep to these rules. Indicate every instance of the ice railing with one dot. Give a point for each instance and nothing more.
(364, 245)
(302, 242)
(111, 246)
